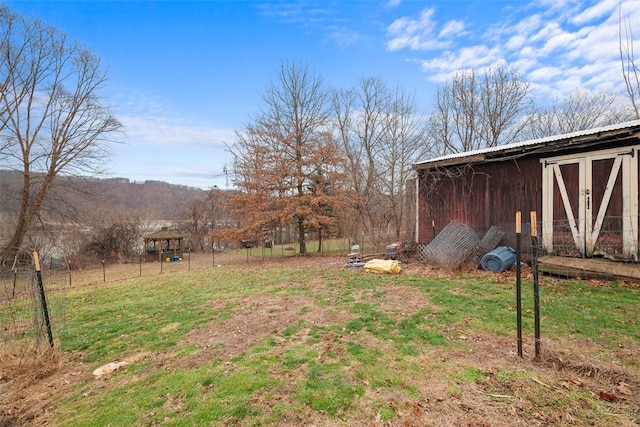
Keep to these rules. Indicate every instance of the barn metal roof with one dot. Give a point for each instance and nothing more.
(524, 147)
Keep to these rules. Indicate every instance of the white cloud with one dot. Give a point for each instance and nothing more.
(516, 42)
(405, 25)
(421, 33)
(545, 74)
(557, 41)
(545, 32)
(451, 28)
(160, 143)
(464, 59)
(152, 122)
(559, 46)
(528, 26)
(602, 9)
(166, 132)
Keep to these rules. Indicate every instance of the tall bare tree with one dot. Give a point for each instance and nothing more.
(578, 111)
(405, 142)
(630, 68)
(475, 110)
(53, 121)
(360, 121)
(382, 134)
(288, 168)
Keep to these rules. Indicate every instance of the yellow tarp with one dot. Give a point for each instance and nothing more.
(383, 266)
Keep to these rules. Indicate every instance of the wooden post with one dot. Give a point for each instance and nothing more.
(536, 285)
(104, 273)
(43, 298)
(519, 281)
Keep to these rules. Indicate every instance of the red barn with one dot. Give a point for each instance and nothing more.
(583, 186)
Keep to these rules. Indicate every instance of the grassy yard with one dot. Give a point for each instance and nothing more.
(305, 341)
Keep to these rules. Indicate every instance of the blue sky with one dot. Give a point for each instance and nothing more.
(184, 75)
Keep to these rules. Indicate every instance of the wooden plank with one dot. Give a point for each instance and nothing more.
(588, 268)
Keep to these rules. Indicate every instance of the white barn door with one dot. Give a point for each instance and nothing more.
(590, 204)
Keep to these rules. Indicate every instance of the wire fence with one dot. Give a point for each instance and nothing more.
(32, 308)
(102, 271)
(595, 333)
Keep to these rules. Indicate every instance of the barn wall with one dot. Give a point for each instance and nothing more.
(481, 195)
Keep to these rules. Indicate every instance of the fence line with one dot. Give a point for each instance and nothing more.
(31, 318)
(567, 333)
(599, 335)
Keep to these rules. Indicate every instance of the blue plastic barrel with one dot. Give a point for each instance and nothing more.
(499, 259)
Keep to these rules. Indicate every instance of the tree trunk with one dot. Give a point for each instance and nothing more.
(301, 240)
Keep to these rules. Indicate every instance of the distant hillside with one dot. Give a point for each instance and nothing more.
(150, 199)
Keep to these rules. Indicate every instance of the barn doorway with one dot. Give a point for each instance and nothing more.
(590, 204)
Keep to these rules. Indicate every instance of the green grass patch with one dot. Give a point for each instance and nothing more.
(328, 388)
(339, 353)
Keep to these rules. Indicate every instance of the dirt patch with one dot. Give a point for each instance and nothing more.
(254, 318)
(494, 399)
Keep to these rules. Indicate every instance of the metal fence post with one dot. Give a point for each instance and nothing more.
(43, 298)
(519, 281)
(536, 285)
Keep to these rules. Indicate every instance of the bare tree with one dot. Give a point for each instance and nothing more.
(382, 135)
(196, 229)
(630, 68)
(53, 120)
(579, 111)
(504, 99)
(114, 238)
(288, 168)
(360, 121)
(474, 111)
(405, 143)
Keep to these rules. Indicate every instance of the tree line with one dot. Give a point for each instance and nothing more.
(337, 161)
(321, 161)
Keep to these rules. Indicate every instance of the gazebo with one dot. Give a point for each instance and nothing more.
(163, 245)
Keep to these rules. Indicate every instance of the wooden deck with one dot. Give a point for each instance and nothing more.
(589, 268)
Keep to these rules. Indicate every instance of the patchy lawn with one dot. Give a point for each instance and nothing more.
(305, 341)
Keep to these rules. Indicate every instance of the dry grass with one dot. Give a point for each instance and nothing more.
(21, 380)
(556, 390)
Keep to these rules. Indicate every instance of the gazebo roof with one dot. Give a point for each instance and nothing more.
(164, 234)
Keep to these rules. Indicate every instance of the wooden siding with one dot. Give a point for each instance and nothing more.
(481, 195)
(488, 194)
(589, 181)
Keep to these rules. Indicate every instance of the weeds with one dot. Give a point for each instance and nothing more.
(291, 346)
